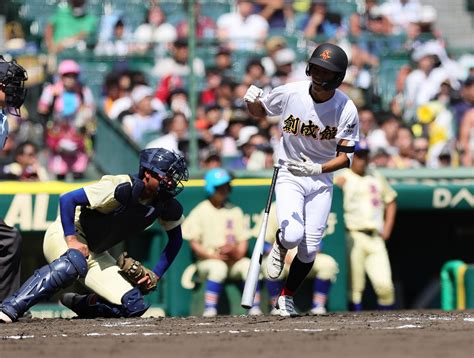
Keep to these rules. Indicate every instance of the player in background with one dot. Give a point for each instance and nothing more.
(319, 127)
(369, 215)
(92, 220)
(12, 96)
(218, 235)
(323, 273)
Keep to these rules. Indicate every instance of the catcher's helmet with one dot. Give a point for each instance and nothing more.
(214, 178)
(12, 83)
(332, 58)
(167, 164)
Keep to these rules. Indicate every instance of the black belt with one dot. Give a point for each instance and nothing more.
(369, 232)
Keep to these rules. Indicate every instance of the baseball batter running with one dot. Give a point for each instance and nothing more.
(369, 214)
(319, 127)
(92, 220)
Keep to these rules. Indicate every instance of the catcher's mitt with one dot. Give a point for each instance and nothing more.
(134, 271)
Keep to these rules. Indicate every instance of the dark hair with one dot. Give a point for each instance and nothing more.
(254, 62)
(21, 148)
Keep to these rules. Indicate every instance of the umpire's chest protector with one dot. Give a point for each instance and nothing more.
(102, 231)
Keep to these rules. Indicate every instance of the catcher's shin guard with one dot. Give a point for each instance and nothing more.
(45, 282)
(133, 304)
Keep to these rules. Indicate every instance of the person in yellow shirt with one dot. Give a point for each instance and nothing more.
(218, 235)
(323, 272)
(369, 214)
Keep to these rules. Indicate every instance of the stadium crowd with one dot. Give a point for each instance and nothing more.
(428, 120)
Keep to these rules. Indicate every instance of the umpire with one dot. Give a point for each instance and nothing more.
(12, 96)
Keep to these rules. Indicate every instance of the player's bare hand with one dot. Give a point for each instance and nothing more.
(73, 243)
(252, 94)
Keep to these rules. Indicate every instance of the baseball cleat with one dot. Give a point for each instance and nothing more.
(318, 311)
(210, 312)
(4, 318)
(285, 307)
(276, 261)
(255, 311)
(79, 304)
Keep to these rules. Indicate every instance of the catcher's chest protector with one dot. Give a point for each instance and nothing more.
(102, 231)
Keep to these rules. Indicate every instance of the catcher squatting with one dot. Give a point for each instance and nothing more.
(92, 220)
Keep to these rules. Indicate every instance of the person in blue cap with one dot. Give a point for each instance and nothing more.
(218, 235)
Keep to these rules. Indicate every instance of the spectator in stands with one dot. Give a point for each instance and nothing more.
(433, 67)
(144, 120)
(178, 102)
(422, 29)
(284, 59)
(420, 148)
(404, 159)
(211, 160)
(255, 74)
(242, 30)
(466, 103)
(401, 13)
(246, 146)
(379, 158)
(437, 124)
(175, 129)
(367, 123)
(213, 81)
(466, 138)
(319, 22)
(26, 166)
(70, 27)
(155, 31)
(71, 107)
(223, 61)
(377, 39)
(349, 87)
(385, 136)
(205, 26)
(272, 45)
(177, 64)
(278, 13)
(118, 44)
(358, 22)
(112, 92)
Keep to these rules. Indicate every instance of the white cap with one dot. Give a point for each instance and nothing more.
(427, 14)
(140, 92)
(429, 48)
(245, 134)
(284, 56)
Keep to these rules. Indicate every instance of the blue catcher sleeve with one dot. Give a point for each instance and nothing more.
(175, 240)
(67, 207)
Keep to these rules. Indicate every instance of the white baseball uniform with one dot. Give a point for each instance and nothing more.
(313, 129)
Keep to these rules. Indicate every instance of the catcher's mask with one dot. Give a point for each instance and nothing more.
(170, 167)
(12, 83)
(332, 58)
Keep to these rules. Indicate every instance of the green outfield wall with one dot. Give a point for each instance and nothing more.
(31, 207)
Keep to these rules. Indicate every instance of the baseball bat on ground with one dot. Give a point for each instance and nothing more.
(257, 254)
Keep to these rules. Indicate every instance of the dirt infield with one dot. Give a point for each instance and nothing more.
(369, 334)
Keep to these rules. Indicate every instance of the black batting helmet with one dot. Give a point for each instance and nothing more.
(168, 165)
(12, 83)
(332, 58)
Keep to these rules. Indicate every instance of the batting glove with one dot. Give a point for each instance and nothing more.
(306, 168)
(252, 94)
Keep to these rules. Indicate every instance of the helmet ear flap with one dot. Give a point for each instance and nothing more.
(308, 70)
